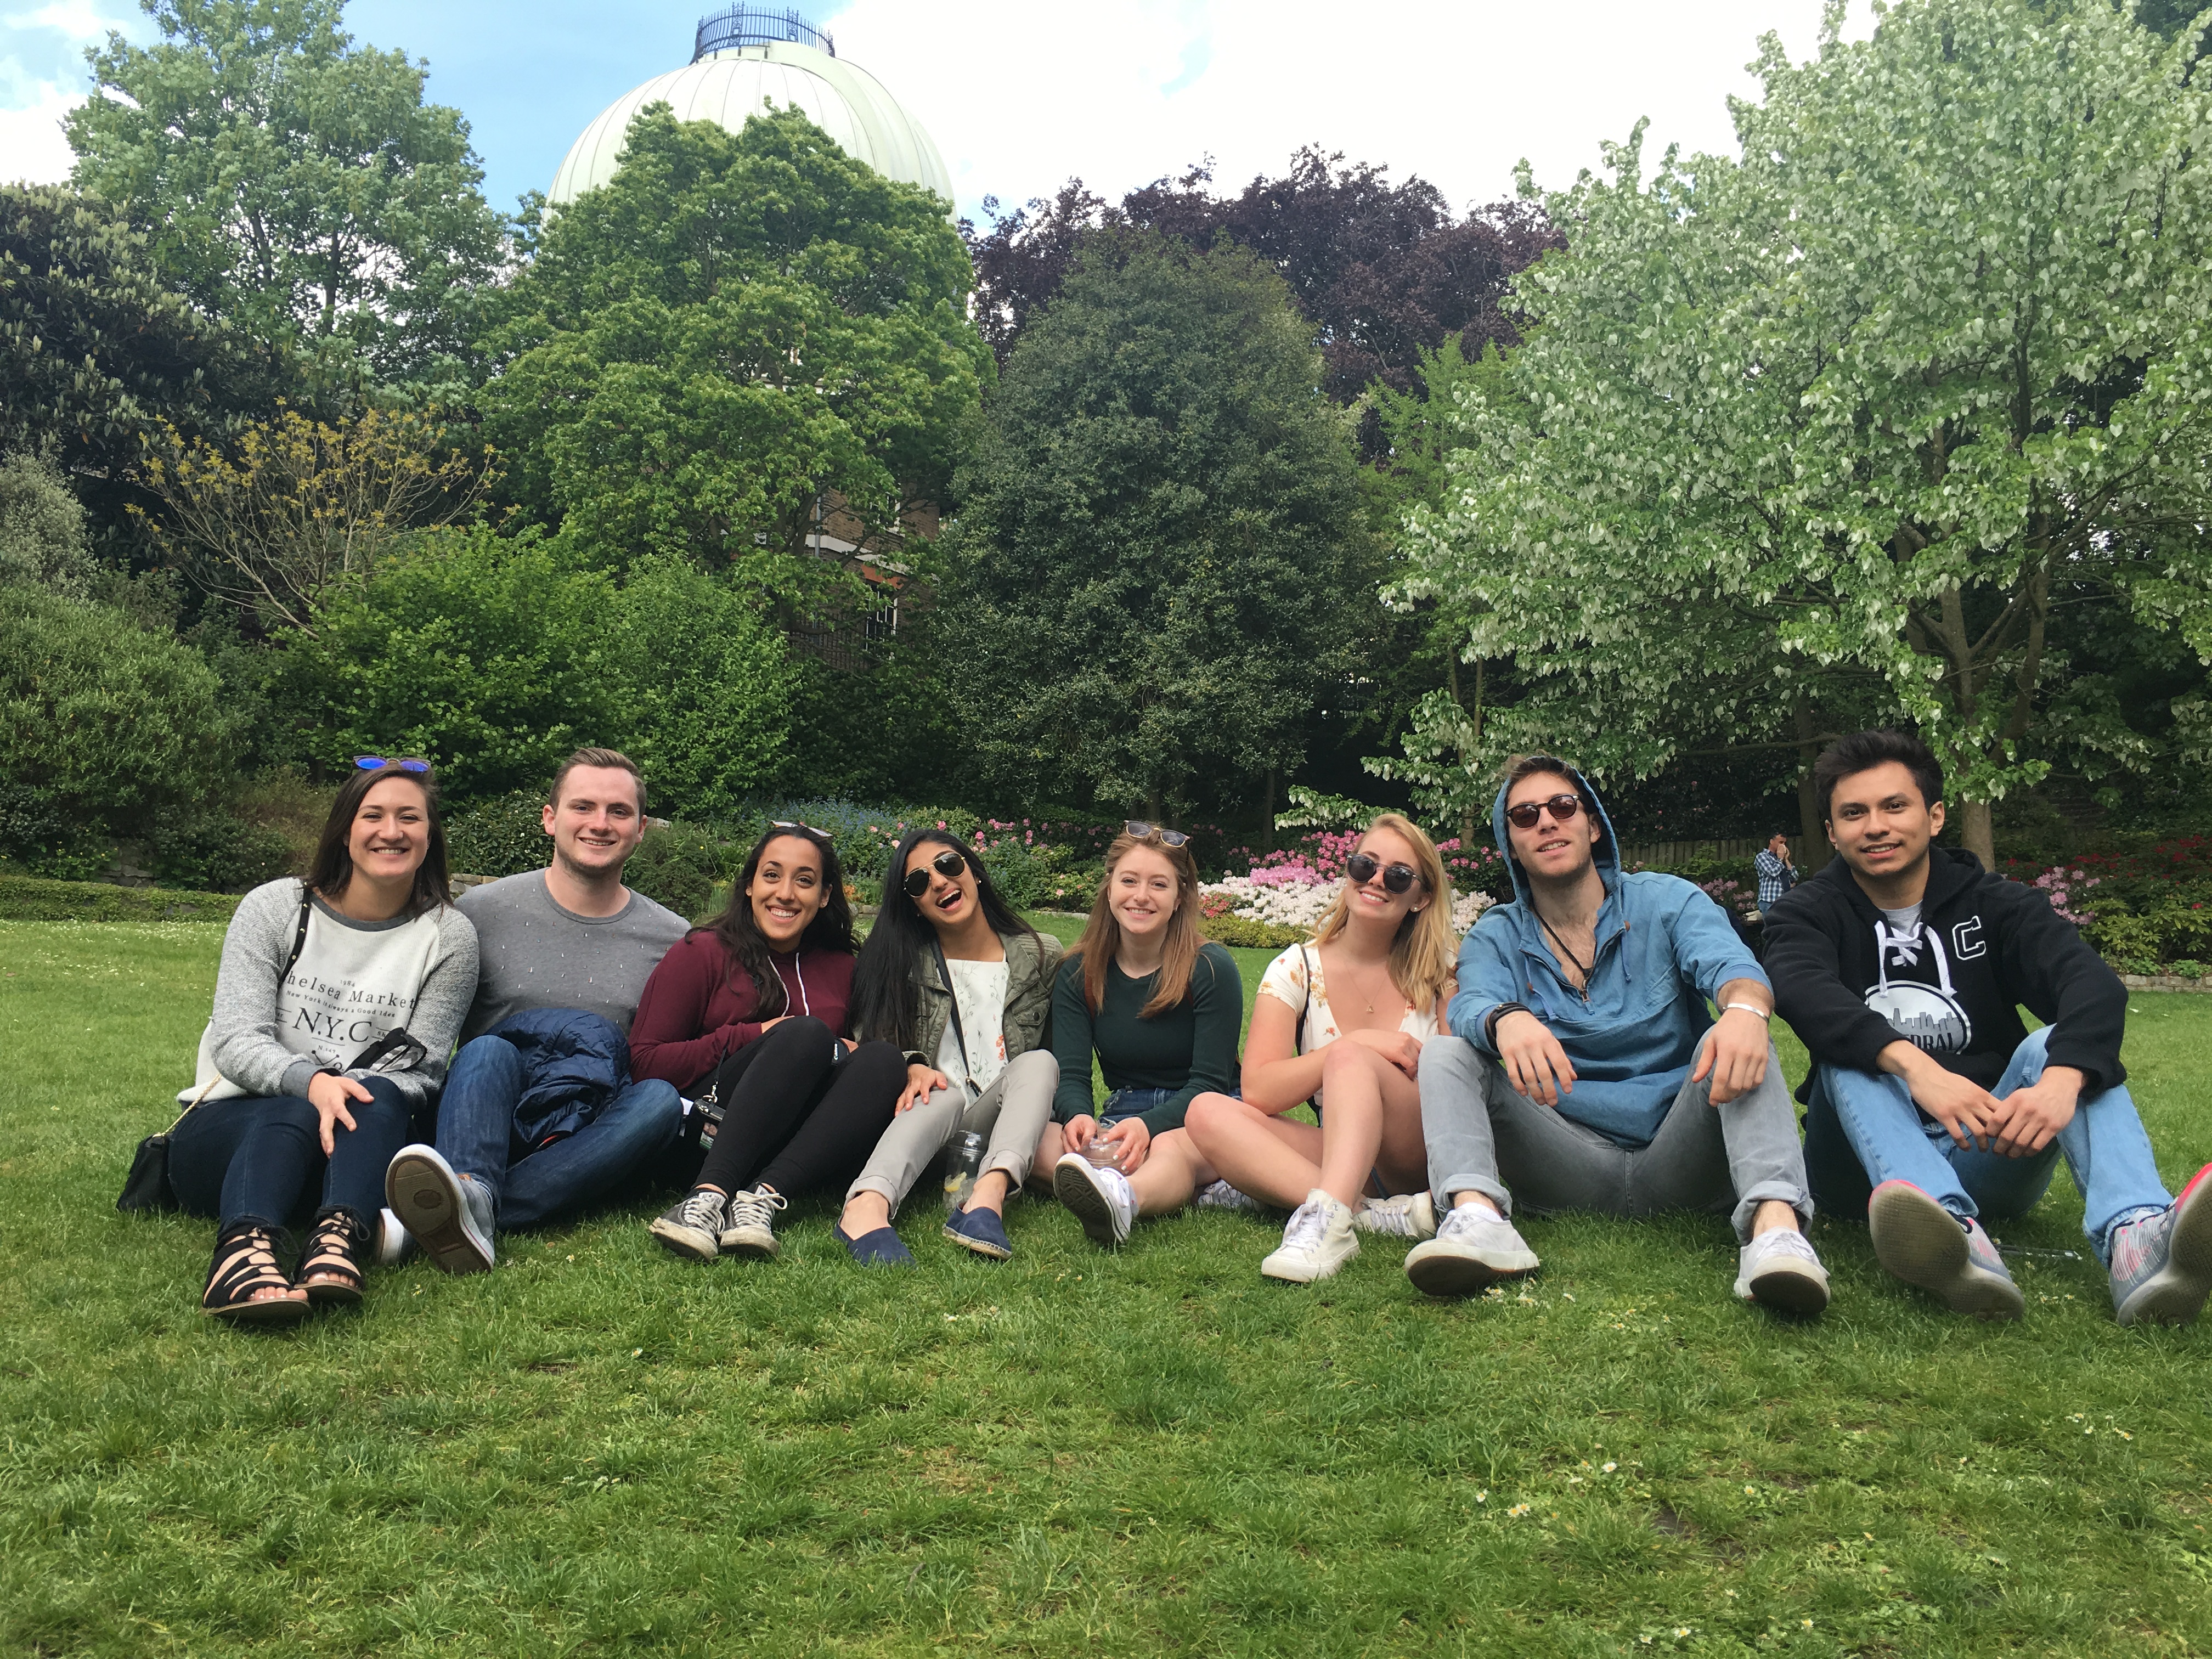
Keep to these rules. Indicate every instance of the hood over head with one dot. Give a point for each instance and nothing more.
(1606, 853)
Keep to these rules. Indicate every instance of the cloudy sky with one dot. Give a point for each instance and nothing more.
(1021, 95)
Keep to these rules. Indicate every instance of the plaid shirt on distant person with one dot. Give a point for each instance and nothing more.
(1775, 878)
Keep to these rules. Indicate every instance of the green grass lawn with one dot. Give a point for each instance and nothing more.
(600, 1449)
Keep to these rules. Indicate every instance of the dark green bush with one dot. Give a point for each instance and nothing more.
(215, 852)
(104, 725)
(501, 836)
(682, 866)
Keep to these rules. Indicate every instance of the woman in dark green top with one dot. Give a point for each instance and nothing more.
(1161, 1007)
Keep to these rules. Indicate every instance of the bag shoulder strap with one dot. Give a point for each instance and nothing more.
(1305, 1001)
(298, 934)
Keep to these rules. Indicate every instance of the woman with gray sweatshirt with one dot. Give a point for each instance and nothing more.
(337, 1003)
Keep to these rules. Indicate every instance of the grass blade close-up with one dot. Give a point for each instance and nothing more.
(599, 1448)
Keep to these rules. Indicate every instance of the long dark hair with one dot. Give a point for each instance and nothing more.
(748, 947)
(331, 872)
(885, 1004)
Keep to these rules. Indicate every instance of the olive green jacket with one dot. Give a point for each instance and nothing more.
(1030, 965)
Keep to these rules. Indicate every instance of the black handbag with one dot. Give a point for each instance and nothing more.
(147, 1186)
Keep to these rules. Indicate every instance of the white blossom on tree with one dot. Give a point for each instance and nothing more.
(1841, 419)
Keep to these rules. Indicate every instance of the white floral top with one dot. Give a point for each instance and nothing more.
(1285, 980)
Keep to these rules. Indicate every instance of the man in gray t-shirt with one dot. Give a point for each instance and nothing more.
(570, 936)
(534, 952)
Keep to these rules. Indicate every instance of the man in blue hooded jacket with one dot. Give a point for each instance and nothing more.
(1584, 1072)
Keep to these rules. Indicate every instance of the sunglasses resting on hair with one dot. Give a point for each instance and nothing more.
(370, 762)
(1142, 831)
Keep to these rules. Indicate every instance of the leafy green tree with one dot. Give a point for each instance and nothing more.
(101, 722)
(707, 687)
(495, 657)
(734, 326)
(1161, 568)
(294, 183)
(96, 352)
(1841, 423)
(41, 529)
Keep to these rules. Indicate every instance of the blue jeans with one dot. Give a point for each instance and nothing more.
(2105, 1148)
(258, 1160)
(1131, 1103)
(476, 1135)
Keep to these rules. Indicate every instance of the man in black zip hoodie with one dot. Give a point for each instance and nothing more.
(1903, 966)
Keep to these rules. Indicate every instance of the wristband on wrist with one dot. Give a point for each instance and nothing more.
(1490, 1021)
(1749, 1008)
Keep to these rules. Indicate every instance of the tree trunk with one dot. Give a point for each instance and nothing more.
(1268, 813)
(1977, 832)
(1811, 828)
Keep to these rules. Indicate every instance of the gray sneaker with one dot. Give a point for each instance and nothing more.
(1474, 1249)
(748, 1228)
(1220, 1195)
(2162, 1264)
(1925, 1245)
(451, 1216)
(1409, 1215)
(1779, 1269)
(692, 1226)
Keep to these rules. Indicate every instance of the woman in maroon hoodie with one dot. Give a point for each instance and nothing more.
(756, 1011)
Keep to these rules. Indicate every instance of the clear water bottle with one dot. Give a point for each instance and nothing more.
(964, 1162)
(1103, 1154)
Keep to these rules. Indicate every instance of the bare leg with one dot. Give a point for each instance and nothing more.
(1172, 1170)
(1050, 1145)
(865, 1211)
(1273, 1159)
(990, 1193)
(1374, 1116)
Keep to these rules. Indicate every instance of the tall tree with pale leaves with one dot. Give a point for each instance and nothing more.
(1839, 423)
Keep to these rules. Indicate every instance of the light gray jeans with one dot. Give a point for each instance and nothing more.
(1483, 1137)
(1010, 1115)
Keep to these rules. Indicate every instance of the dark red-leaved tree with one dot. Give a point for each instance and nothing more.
(1383, 272)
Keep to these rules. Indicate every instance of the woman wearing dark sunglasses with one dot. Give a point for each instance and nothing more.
(963, 985)
(1340, 1021)
(755, 1012)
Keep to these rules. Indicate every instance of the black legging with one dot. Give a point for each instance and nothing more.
(795, 1117)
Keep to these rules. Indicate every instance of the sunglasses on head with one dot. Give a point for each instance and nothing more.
(948, 864)
(1139, 830)
(1363, 867)
(372, 763)
(1562, 808)
(788, 823)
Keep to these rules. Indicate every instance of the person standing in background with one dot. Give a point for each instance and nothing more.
(1777, 874)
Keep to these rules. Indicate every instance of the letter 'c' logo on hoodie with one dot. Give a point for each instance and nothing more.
(1930, 1017)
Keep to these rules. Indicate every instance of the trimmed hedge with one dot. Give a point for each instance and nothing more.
(30, 898)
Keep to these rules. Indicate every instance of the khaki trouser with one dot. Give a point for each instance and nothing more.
(1010, 1115)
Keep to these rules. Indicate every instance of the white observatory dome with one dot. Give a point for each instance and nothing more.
(742, 59)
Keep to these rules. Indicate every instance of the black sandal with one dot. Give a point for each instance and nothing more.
(245, 1262)
(329, 1270)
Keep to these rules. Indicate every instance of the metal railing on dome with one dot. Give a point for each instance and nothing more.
(757, 26)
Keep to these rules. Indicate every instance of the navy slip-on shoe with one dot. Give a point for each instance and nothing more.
(880, 1248)
(983, 1232)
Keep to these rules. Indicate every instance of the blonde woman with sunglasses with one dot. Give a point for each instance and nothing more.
(1340, 1021)
(1160, 1006)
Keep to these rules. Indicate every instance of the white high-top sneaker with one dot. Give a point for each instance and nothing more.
(1318, 1241)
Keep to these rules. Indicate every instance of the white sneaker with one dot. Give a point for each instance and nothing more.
(394, 1243)
(450, 1217)
(1779, 1269)
(1409, 1215)
(748, 1227)
(1220, 1195)
(1318, 1241)
(1101, 1197)
(1474, 1249)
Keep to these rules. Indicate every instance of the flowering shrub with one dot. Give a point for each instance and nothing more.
(1728, 894)
(1299, 896)
(2142, 909)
